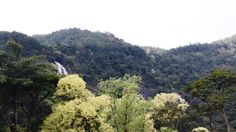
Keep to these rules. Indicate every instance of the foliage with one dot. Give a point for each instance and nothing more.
(28, 82)
(30, 45)
(78, 109)
(72, 87)
(98, 56)
(118, 87)
(216, 90)
(166, 129)
(130, 113)
(168, 107)
(129, 110)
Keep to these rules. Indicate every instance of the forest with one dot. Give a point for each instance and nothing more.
(114, 86)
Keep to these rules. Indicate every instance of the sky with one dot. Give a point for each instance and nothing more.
(158, 23)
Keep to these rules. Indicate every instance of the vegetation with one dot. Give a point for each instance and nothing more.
(215, 91)
(96, 56)
(26, 85)
(128, 88)
(77, 109)
(168, 109)
(129, 110)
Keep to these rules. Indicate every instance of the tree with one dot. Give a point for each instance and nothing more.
(28, 82)
(71, 87)
(3, 61)
(117, 87)
(130, 113)
(77, 109)
(167, 108)
(129, 110)
(215, 90)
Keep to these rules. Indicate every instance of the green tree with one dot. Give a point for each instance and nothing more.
(28, 82)
(3, 60)
(215, 90)
(117, 87)
(168, 108)
(129, 110)
(130, 114)
(77, 109)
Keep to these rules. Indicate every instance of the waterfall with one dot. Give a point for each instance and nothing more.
(61, 69)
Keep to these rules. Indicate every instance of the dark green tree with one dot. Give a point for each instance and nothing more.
(215, 91)
(27, 82)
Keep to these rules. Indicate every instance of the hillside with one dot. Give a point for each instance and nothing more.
(97, 56)
(185, 64)
(31, 46)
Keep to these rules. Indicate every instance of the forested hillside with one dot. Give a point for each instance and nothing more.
(126, 87)
(179, 66)
(31, 46)
(97, 56)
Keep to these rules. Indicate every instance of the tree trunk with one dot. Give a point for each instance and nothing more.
(29, 124)
(14, 129)
(223, 115)
(212, 128)
(29, 118)
(6, 117)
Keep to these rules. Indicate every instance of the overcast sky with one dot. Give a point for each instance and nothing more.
(159, 23)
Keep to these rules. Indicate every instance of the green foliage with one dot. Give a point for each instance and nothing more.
(129, 110)
(3, 60)
(215, 91)
(72, 87)
(14, 47)
(78, 110)
(130, 113)
(166, 129)
(118, 87)
(99, 56)
(168, 107)
(27, 82)
(30, 45)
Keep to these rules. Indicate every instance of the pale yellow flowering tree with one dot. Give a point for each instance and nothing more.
(168, 107)
(72, 87)
(77, 109)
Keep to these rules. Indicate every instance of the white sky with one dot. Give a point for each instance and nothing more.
(159, 23)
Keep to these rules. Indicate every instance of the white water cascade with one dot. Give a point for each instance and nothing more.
(61, 69)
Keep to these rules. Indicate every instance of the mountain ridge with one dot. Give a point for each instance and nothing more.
(97, 56)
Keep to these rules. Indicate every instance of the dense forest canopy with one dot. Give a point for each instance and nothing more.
(97, 56)
(128, 88)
